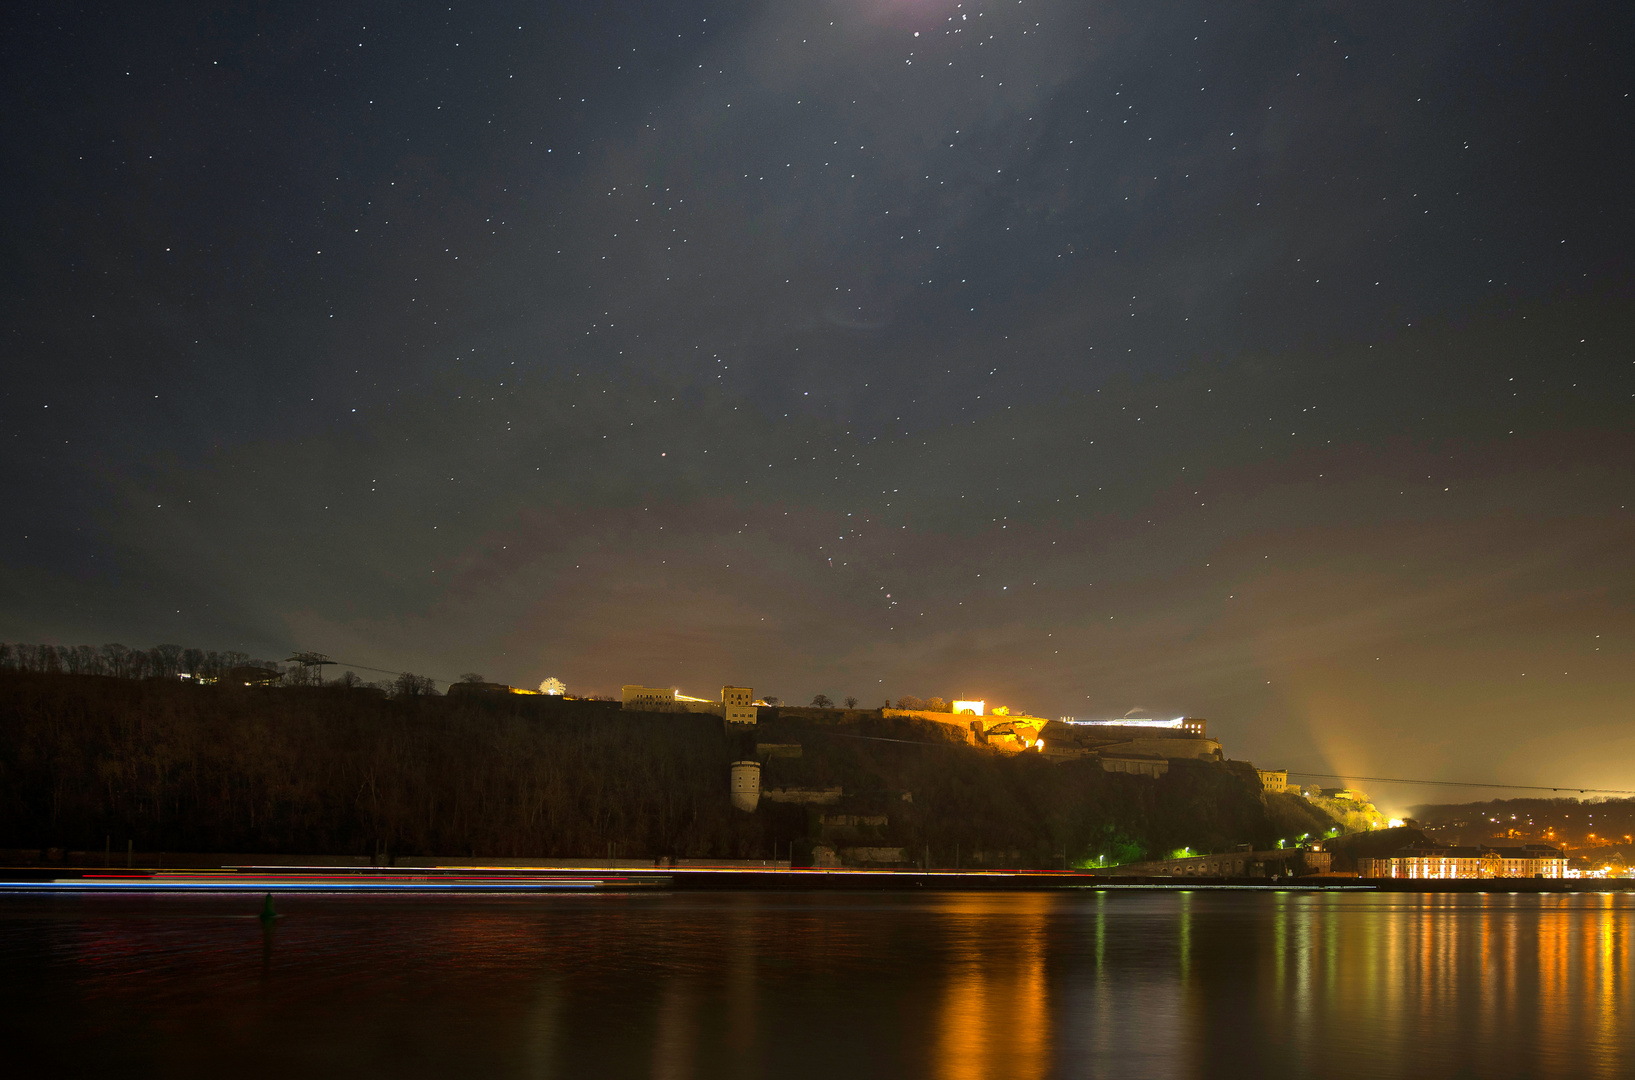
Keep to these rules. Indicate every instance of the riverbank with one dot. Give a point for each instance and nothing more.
(471, 876)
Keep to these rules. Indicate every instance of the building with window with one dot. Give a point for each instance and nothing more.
(640, 697)
(1274, 781)
(738, 705)
(1532, 861)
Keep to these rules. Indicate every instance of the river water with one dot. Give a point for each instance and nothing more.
(1125, 983)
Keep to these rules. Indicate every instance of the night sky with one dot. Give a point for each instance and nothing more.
(1269, 363)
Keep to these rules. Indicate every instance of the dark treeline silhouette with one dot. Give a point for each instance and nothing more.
(194, 665)
(122, 662)
(164, 764)
(175, 766)
(935, 704)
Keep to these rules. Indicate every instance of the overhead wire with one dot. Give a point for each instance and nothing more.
(1463, 783)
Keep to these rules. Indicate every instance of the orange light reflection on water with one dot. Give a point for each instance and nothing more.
(1392, 977)
(994, 1021)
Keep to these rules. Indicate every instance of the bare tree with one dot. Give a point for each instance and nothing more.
(851, 703)
(114, 656)
(472, 677)
(412, 686)
(170, 660)
(821, 701)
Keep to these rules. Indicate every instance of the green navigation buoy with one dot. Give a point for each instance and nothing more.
(267, 912)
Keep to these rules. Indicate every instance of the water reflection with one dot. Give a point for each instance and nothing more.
(951, 987)
(995, 1017)
(541, 1035)
(676, 1035)
(1503, 985)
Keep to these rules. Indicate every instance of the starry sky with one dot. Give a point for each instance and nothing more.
(1269, 363)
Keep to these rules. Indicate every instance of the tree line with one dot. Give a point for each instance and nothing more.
(824, 701)
(123, 662)
(168, 765)
(197, 665)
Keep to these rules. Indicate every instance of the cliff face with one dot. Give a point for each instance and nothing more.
(168, 766)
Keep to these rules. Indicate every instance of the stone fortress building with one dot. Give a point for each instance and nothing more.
(736, 706)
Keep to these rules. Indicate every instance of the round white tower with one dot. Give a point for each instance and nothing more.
(746, 785)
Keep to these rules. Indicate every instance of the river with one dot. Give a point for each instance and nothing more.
(1119, 983)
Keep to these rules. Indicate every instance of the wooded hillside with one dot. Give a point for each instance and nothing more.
(172, 766)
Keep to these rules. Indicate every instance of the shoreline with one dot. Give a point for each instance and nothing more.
(516, 877)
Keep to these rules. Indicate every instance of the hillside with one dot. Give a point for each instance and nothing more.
(165, 765)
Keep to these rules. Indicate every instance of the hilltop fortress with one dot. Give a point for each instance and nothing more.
(1139, 746)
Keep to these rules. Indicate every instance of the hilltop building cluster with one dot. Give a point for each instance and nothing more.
(1143, 747)
(737, 704)
(1135, 746)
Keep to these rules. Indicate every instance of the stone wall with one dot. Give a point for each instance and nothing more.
(1236, 864)
(809, 796)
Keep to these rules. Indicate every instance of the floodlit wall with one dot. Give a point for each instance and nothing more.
(665, 699)
(640, 696)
